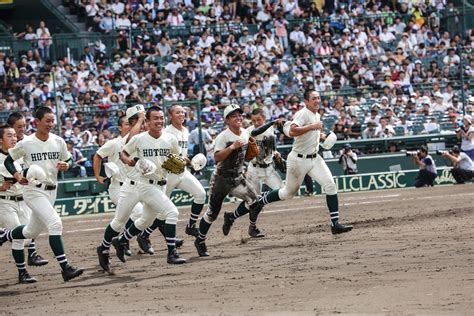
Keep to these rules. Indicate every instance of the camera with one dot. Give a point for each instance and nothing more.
(442, 152)
(412, 153)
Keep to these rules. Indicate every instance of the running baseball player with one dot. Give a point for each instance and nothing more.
(12, 210)
(17, 121)
(228, 177)
(147, 185)
(304, 159)
(47, 153)
(184, 181)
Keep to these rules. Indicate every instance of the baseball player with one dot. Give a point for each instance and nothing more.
(48, 153)
(12, 212)
(228, 177)
(184, 181)
(17, 121)
(148, 185)
(304, 159)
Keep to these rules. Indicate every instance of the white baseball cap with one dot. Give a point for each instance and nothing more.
(111, 169)
(232, 108)
(35, 173)
(133, 110)
(198, 162)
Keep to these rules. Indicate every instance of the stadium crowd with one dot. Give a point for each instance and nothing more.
(384, 68)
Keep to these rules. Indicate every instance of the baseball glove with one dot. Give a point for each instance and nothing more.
(252, 149)
(280, 164)
(174, 164)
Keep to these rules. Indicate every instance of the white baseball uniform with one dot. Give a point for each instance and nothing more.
(304, 159)
(261, 169)
(149, 189)
(13, 209)
(111, 150)
(184, 181)
(41, 197)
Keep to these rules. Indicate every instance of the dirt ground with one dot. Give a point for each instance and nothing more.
(411, 252)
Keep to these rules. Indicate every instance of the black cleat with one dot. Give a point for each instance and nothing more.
(254, 232)
(201, 248)
(36, 261)
(179, 243)
(71, 272)
(228, 222)
(191, 231)
(144, 244)
(119, 248)
(24, 277)
(174, 258)
(126, 249)
(339, 229)
(104, 258)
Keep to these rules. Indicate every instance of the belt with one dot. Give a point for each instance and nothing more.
(261, 165)
(311, 156)
(46, 187)
(155, 182)
(16, 198)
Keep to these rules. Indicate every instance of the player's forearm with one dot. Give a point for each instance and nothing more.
(223, 154)
(96, 165)
(299, 130)
(261, 129)
(9, 165)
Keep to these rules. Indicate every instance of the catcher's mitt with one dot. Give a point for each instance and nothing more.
(252, 149)
(174, 164)
(280, 164)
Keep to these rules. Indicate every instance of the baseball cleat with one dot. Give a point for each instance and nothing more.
(24, 277)
(71, 272)
(104, 258)
(339, 229)
(127, 251)
(192, 231)
(119, 249)
(201, 248)
(179, 243)
(144, 244)
(254, 232)
(174, 258)
(37, 261)
(228, 222)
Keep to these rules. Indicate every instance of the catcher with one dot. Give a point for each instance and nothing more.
(231, 150)
(152, 150)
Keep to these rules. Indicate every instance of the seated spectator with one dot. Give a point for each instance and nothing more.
(369, 131)
(77, 160)
(384, 130)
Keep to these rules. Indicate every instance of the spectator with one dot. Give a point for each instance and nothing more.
(466, 134)
(348, 159)
(77, 160)
(463, 167)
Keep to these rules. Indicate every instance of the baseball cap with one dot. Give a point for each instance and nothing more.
(438, 95)
(131, 111)
(232, 108)
(347, 146)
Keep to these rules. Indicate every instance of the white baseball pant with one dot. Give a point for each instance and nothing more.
(43, 214)
(13, 214)
(114, 193)
(297, 168)
(268, 175)
(155, 204)
(188, 183)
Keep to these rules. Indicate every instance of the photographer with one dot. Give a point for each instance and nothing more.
(427, 173)
(349, 160)
(466, 134)
(463, 167)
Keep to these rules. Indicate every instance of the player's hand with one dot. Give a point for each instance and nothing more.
(62, 166)
(317, 125)
(279, 122)
(141, 115)
(322, 136)
(132, 162)
(101, 180)
(237, 144)
(6, 186)
(277, 155)
(20, 178)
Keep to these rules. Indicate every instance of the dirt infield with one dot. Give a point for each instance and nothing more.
(411, 251)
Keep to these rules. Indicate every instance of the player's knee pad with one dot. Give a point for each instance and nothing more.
(117, 224)
(286, 193)
(209, 216)
(172, 216)
(200, 197)
(17, 244)
(330, 188)
(55, 227)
